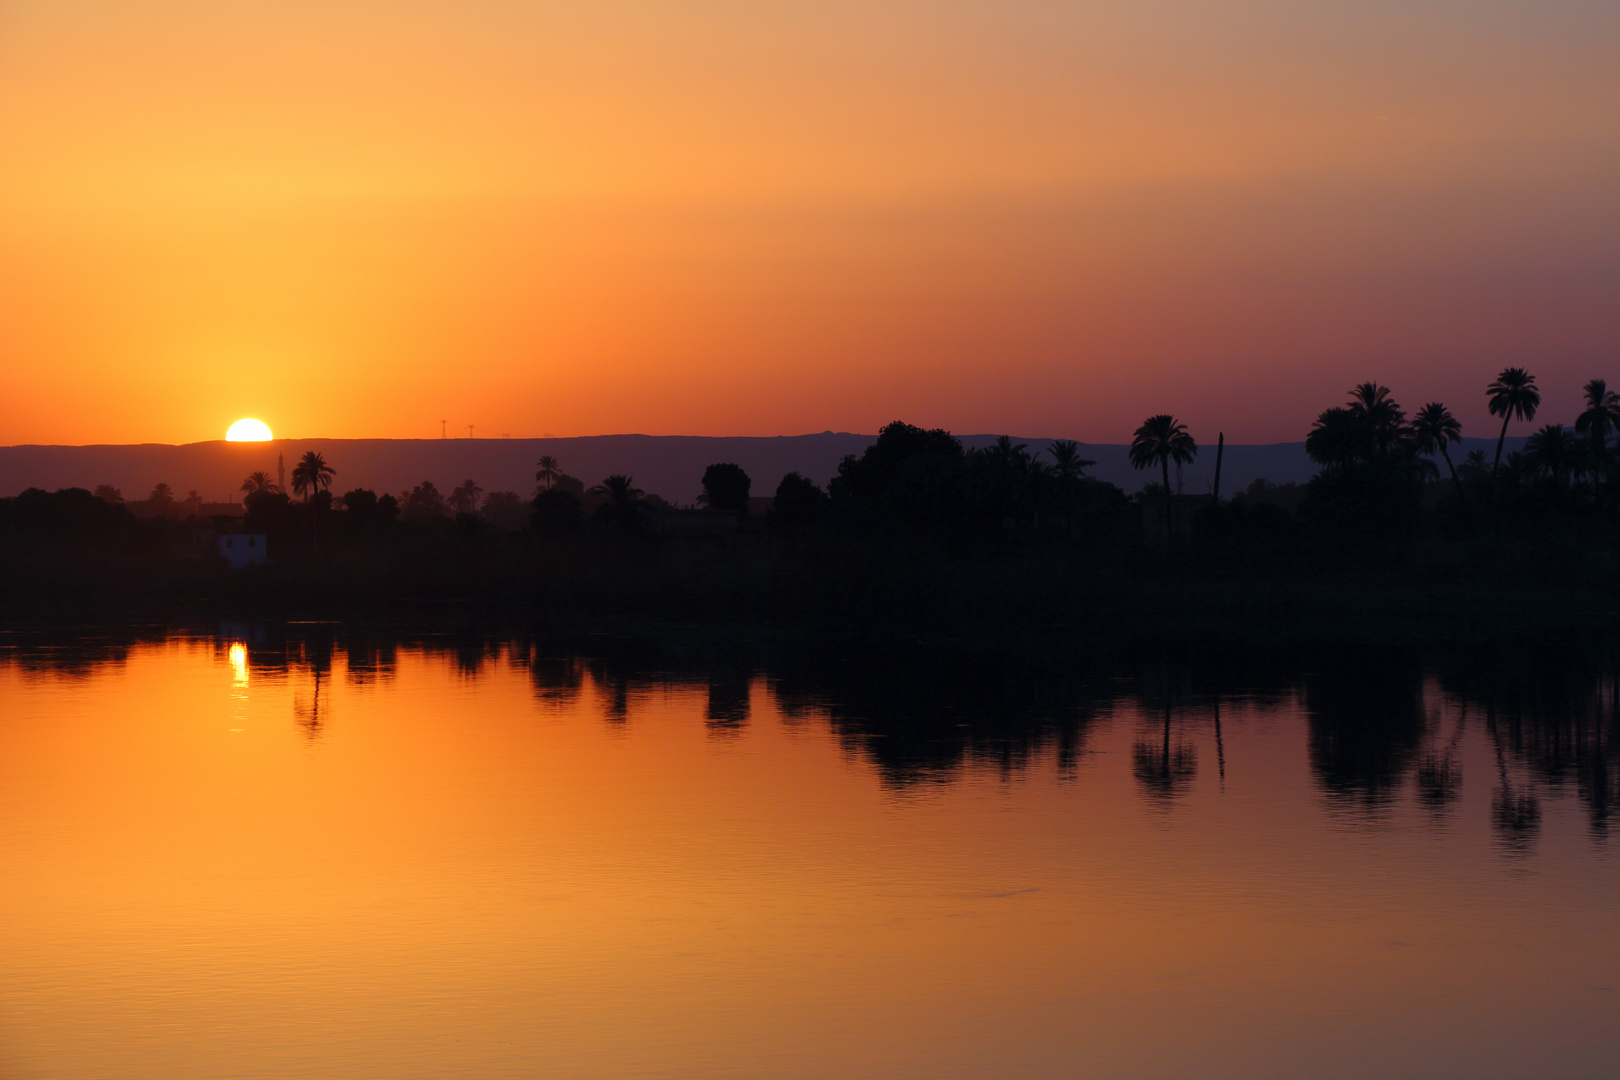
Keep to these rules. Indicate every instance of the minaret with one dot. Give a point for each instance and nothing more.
(281, 472)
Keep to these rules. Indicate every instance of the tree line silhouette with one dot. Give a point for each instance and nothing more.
(914, 519)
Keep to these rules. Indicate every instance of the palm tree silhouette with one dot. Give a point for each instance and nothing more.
(550, 471)
(619, 489)
(1337, 439)
(1160, 440)
(1513, 394)
(259, 483)
(1066, 459)
(1551, 452)
(311, 474)
(1433, 427)
(1601, 416)
(1373, 407)
(465, 497)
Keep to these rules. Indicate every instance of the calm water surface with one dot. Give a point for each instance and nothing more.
(274, 852)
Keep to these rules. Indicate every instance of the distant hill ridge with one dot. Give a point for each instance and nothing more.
(668, 465)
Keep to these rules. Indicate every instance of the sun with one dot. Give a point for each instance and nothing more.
(248, 431)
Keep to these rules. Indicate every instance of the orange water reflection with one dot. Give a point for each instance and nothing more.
(230, 858)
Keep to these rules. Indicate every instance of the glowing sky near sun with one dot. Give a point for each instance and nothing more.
(360, 219)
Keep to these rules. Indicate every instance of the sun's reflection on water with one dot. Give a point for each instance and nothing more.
(239, 664)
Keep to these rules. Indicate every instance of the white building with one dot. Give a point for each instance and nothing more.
(242, 549)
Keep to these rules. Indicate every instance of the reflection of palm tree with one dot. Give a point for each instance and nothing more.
(1164, 770)
(1159, 441)
(259, 483)
(619, 489)
(311, 474)
(1512, 395)
(550, 471)
(1066, 459)
(1434, 427)
(1515, 813)
(1439, 777)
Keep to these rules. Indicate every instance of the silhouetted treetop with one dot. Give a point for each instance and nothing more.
(311, 474)
(725, 487)
(1512, 396)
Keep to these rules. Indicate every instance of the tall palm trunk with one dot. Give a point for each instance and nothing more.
(1164, 463)
(1496, 463)
(1449, 465)
(1600, 448)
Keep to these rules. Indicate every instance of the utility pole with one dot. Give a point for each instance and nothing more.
(443, 431)
(469, 431)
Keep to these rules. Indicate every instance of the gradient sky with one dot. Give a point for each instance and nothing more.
(356, 219)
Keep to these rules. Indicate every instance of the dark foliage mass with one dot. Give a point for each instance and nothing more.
(1394, 535)
(725, 487)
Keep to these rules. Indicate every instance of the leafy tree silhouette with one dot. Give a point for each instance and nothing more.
(109, 494)
(725, 487)
(799, 502)
(1512, 395)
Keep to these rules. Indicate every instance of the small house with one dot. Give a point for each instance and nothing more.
(242, 549)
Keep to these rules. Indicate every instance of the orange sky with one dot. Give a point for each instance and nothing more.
(357, 219)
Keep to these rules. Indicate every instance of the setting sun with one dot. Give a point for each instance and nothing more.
(248, 431)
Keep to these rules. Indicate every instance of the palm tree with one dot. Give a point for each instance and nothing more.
(311, 474)
(1066, 459)
(1337, 439)
(550, 471)
(259, 483)
(1373, 407)
(1551, 452)
(1160, 440)
(1433, 427)
(1601, 416)
(1005, 450)
(465, 497)
(1513, 394)
(619, 489)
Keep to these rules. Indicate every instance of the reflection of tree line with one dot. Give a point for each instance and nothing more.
(921, 713)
